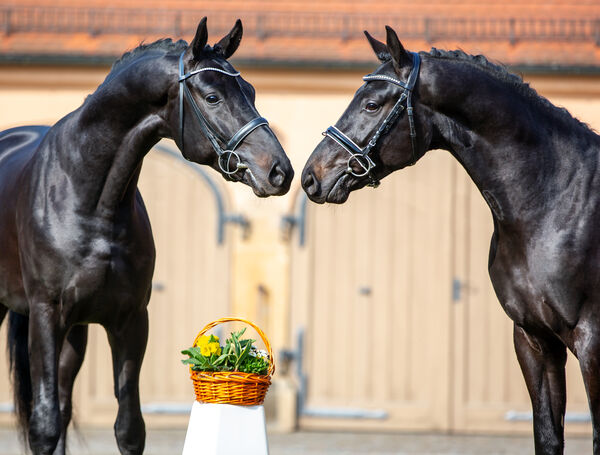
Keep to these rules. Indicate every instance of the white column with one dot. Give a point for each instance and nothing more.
(225, 429)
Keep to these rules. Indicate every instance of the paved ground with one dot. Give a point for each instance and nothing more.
(170, 442)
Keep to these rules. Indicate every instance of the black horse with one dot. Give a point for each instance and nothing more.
(538, 169)
(75, 240)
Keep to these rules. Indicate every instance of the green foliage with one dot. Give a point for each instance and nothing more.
(257, 365)
(237, 355)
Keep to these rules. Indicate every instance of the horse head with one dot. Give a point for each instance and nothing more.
(381, 130)
(216, 121)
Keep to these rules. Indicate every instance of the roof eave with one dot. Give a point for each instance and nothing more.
(266, 63)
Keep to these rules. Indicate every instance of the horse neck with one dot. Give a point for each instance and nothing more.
(514, 145)
(99, 148)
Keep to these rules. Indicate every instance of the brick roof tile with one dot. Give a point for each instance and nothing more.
(533, 32)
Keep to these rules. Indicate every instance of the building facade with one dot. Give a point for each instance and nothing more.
(380, 310)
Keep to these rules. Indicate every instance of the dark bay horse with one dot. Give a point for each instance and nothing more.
(75, 240)
(537, 167)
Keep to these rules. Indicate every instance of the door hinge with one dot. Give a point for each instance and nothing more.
(456, 290)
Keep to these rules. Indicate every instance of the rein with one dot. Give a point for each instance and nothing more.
(361, 155)
(228, 152)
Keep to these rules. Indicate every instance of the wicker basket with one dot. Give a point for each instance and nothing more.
(232, 387)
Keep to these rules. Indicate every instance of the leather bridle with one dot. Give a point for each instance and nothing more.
(361, 155)
(228, 152)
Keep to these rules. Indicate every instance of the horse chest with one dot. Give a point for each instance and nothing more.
(542, 293)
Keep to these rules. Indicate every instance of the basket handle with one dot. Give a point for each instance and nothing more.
(254, 326)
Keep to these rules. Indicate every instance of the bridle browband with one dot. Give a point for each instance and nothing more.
(227, 153)
(361, 155)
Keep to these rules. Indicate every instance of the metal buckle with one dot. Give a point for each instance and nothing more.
(225, 162)
(363, 161)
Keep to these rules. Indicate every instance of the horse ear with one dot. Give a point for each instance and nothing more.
(230, 42)
(199, 41)
(399, 55)
(380, 49)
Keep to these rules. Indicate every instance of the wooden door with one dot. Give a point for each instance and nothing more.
(371, 290)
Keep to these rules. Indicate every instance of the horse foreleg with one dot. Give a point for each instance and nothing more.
(542, 362)
(44, 338)
(71, 358)
(128, 344)
(587, 346)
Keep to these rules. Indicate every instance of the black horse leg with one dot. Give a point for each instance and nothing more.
(71, 358)
(543, 362)
(588, 353)
(128, 344)
(45, 338)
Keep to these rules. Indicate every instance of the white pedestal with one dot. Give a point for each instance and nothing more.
(225, 429)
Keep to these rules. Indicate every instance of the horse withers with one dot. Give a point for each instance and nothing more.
(538, 169)
(76, 245)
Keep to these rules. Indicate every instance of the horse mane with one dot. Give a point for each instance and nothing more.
(164, 46)
(501, 73)
(161, 46)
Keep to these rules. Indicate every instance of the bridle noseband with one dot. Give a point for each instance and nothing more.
(227, 153)
(361, 155)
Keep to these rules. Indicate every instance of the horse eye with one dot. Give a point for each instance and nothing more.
(371, 106)
(212, 99)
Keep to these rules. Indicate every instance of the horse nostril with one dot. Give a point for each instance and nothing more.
(276, 176)
(310, 184)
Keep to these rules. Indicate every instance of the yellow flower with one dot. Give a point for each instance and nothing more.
(209, 345)
(215, 348)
